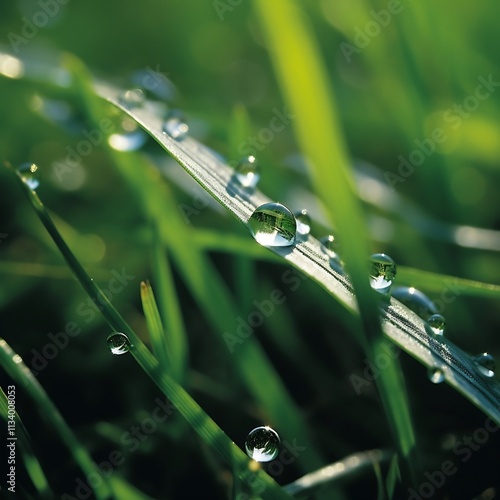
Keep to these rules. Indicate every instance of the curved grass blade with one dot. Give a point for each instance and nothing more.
(22, 375)
(33, 467)
(208, 430)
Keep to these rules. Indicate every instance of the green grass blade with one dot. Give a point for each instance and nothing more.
(155, 328)
(170, 310)
(304, 83)
(33, 467)
(21, 374)
(434, 282)
(208, 430)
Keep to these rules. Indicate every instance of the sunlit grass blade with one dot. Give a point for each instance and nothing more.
(22, 376)
(33, 467)
(169, 307)
(434, 282)
(155, 328)
(298, 67)
(208, 430)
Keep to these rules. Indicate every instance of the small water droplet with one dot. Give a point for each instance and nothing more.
(273, 225)
(382, 272)
(435, 375)
(132, 98)
(118, 343)
(247, 172)
(485, 364)
(415, 300)
(175, 125)
(303, 222)
(128, 140)
(262, 444)
(29, 174)
(330, 245)
(437, 324)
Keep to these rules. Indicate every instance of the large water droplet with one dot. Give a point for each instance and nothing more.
(29, 174)
(437, 324)
(262, 444)
(132, 98)
(435, 375)
(273, 225)
(485, 364)
(247, 172)
(175, 125)
(415, 300)
(303, 222)
(382, 272)
(118, 343)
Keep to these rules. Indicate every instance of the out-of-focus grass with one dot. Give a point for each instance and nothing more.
(393, 92)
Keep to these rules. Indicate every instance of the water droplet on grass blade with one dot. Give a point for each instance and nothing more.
(29, 174)
(303, 222)
(329, 245)
(247, 172)
(118, 343)
(415, 300)
(435, 375)
(382, 272)
(485, 364)
(175, 125)
(132, 98)
(273, 225)
(128, 140)
(262, 444)
(437, 324)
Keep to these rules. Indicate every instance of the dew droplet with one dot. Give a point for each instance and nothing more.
(273, 225)
(262, 444)
(415, 300)
(175, 125)
(485, 364)
(118, 343)
(247, 172)
(435, 375)
(382, 272)
(132, 98)
(437, 324)
(303, 222)
(29, 174)
(128, 140)
(330, 245)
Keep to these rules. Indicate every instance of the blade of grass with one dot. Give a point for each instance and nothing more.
(208, 430)
(304, 83)
(21, 374)
(33, 467)
(170, 310)
(155, 328)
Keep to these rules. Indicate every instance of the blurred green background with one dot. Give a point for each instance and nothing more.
(400, 71)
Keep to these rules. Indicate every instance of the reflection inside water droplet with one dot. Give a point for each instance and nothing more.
(247, 172)
(272, 224)
(175, 125)
(382, 272)
(132, 98)
(118, 343)
(485, 364)
(435, 375)
(437, 324)
(29, 174)
(262, 444)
